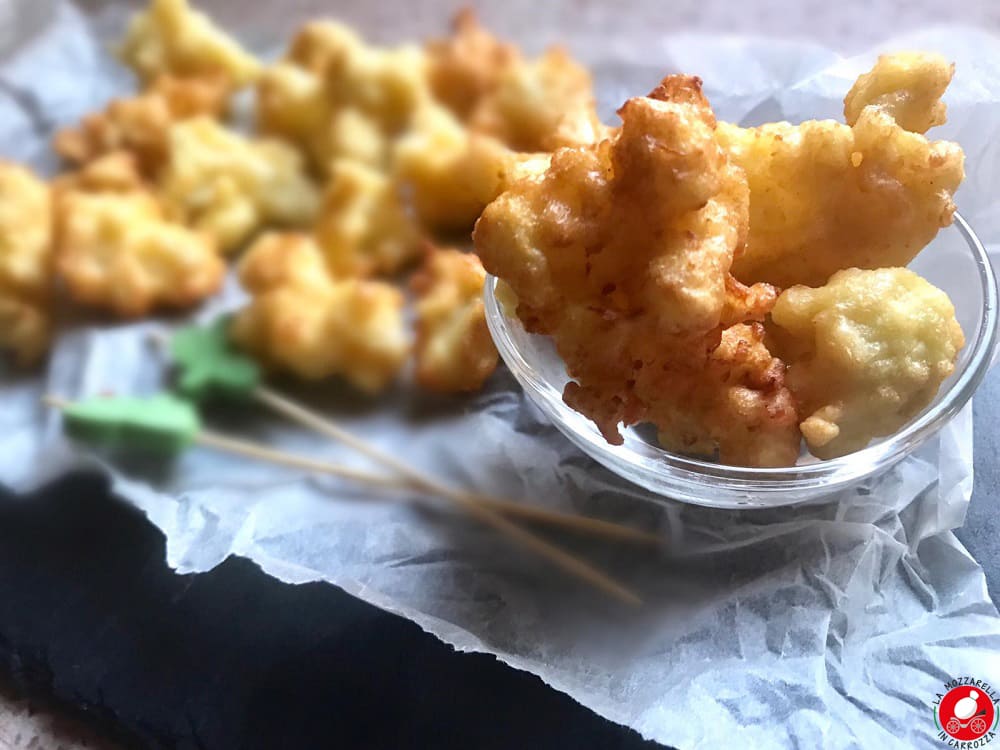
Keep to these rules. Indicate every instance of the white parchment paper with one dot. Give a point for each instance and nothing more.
(828, 626)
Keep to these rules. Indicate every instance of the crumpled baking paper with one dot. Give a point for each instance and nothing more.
(826, 626)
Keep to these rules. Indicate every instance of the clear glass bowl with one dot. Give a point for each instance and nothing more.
(956, 262)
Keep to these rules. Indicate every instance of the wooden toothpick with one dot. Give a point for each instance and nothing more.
(559, 557)
(209, 366)
(303, 416)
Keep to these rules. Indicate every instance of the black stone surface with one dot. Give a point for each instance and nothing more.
(92, 619)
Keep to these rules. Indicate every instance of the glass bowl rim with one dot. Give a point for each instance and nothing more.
(830, 472)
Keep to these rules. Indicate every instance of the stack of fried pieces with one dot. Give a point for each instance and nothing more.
(655, 258)
(654, 253)
(365, 159)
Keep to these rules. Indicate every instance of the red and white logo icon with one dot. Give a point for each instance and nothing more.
(967, 712)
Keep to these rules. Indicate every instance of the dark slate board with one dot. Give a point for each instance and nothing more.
(92, 619)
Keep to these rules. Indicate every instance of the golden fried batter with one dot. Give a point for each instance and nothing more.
(116, 171)
(454, 349)
(25, 264)
(621, 251)
(222, 183)
(304, 321)
(737, 405)
(115, 250)
(867, 352)
(141, 124)
(337, 97)
(541, 105)
(363, 227)
(826, 196)
(171, 38)
(466, 66)
(530, 105)
(908, 86)
(448, 173)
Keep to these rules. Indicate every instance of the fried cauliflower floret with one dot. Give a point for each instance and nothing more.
(337, 97)
(219, 182)
(868, 352)
(117, 171)
(737, 405)
(621, 252)
(454, 349)
(541, 105)
(363, 227)
(25, 264)
(448, 173)
(169, 37)
(530, 105)
(115, 250)
(141, 124)
(468, 65)
(908, 86)
(304, 321)
(826, 196)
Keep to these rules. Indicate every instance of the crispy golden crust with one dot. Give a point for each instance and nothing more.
(363, 227)
(737, 405)
(908, 86)
(448, 173)
(303, 321)
(115, 171)
(337, 97)
(621, 251)
(170, 38)
(867, 351)
(826, 196)
(141, 124)
(25, 264)
(116, 251)
(529, 105)
(541, 105)
(466, 66)
(454, 349)
(219, 182)
(278, 259)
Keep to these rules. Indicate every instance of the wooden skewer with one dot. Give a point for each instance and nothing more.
(298, 413)
(562, 559)
(573, 565)
(417, 480)
(263, 453)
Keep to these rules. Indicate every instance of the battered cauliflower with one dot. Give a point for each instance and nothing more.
(468, 65)
(337, 97)
(141, 124)
(363, 227)
(908, 86)
(867, 352)
(541, 105)
(115, 250)
(738, 405)
(826, 196)
(304, 321)
(530, 105)
(621, 252)
(454, 349)
(171, 38)
(448, 173)
(117, 171)
(25, 264)
(222, 183)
